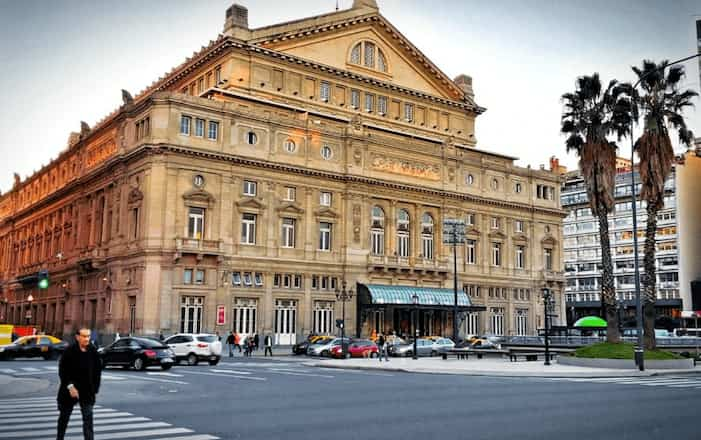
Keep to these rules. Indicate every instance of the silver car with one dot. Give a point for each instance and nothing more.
(424, 347)
(324, 348)
(441, 345)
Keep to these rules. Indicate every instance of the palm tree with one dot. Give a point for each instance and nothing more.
(661, 104)
(590, 116)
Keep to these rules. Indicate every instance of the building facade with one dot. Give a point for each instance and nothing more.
(677, 242)
(244, 189)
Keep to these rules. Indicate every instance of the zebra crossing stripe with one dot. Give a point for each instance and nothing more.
(47, 412)
(194, 437)
(134, 434)
(31, 369)
(72, 423)
(7, 370)
(46, 418)
(78, 430)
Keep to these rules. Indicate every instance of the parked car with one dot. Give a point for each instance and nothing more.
(324, 347)
(357, 348)
(137, 353)
(302, 347)
(44, 346)
(441, 345)
(424, 347)
(195, 347)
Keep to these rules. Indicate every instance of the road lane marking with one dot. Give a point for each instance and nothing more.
(7, 370)
(232, 376)
(365, 373)
(194, 437)
(99, 428)
(46, 418)
(230, 371)
(72, 423)
(290, 373)
(148, 379)
(163, 373)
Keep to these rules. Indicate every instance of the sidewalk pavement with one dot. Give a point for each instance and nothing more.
(278, 351)
(489, 367)
(14, 386)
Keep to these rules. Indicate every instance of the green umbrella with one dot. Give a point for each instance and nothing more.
(590, 322)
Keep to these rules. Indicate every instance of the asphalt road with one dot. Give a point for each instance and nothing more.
(282, 399)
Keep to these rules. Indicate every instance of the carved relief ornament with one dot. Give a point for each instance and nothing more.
(406, 168)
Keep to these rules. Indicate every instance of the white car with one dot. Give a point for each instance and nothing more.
(195, 347)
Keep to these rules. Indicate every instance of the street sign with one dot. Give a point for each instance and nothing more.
(453, 231)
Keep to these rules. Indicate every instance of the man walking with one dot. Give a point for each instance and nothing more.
(230, 343)
(381, 347)
(268, 345)
(80, 370)
(256, 340)
(237, 341)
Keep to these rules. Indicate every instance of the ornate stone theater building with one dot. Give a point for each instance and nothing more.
(244, 187)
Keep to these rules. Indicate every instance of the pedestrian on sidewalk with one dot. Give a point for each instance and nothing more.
(256, 340)
(237, 341)
(268, 345)
(251, 345)
(79, 370)
(381, 346)
(230, 344)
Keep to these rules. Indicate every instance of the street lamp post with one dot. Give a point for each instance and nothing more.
(415, 300)
(639, 351)
(28, 315)
(454, 234)
(343, 295)
(547, 303)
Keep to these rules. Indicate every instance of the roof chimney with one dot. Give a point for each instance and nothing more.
(464, 82)
(236, 23)
(357, 4)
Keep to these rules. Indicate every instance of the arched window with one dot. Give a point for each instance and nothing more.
(367, 54)
(427, 236)
(403, 229)
(377, 231)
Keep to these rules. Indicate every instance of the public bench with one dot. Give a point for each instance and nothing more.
(514, 355)
(465, 353)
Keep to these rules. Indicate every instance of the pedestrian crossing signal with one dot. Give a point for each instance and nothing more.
(43, 282)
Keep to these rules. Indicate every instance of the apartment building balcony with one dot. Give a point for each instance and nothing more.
(199, 247)
(439, 266)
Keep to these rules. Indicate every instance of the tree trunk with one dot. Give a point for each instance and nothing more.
(650, 278)
(608, 289)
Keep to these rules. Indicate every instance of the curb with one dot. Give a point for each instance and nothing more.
(597, 375)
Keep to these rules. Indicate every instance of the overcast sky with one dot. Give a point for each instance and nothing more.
(66, 61)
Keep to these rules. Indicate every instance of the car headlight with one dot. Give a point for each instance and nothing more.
(2, 349)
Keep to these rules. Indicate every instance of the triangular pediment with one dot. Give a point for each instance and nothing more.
(520, 237)
(290, 209)
(199, 196)
(471, 230)
(326, 212)
(548, 240)
(331, 45)
(250, 203)
(497, 234)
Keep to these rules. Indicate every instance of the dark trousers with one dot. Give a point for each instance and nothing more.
(269, 350)
(64, 416)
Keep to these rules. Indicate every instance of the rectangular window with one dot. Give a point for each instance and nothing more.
(518, 225)
(213, 132)
(496, 254)
(325, 198)
(403, 244)
(199, 127)
(258, 279)
(355, 98)
(185, 125)
(520, 256)
(495, 222)
(324, 236)
(236, 278)
(187, 276)
(191, 308)
(290, 193)
(247, 279)
(315, 282)
(297, 281)
(548, 257)
(382, 105)
(249, 188)
(248, 229)
(409, 112)
(369, 102)
(199, 276)
(427, 246)
(135, 223)
(217, 75)
(200, 85)
(288, 232)
(377, 241)
(471, 247)
(324, 91)
(195, 224)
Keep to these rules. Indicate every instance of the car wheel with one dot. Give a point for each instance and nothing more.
(434, 353)
(324, 353)
(409, 353)
(214, 362)
(192, 359)
(139, 364)
(166, 367)
(373, 354)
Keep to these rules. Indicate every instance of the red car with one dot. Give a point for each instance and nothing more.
(357, 348)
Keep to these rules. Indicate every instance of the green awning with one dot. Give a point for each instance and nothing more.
(590, 322)
(428, 296)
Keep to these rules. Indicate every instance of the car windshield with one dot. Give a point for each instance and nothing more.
(150, 343)
(208, 338)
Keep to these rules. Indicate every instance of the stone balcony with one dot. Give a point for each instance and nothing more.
(198, 247)
(440, 266)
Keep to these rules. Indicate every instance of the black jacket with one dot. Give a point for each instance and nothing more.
(83, 370)
(230, 339)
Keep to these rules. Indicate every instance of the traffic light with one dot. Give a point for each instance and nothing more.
(43, 276)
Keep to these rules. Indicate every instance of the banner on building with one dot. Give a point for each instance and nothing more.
(221, 315)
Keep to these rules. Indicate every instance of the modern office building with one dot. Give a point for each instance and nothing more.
(678, 242)
(272, 168)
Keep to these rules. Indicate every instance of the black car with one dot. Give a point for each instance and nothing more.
(138, 353)
(300, 348)
(44, 346)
